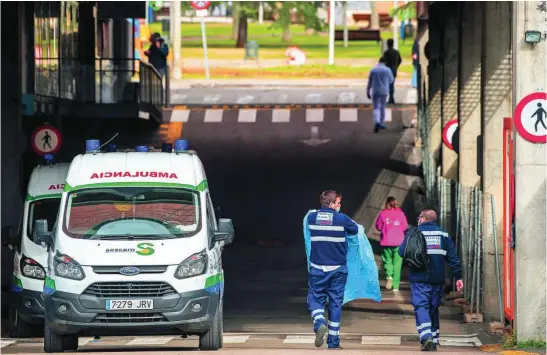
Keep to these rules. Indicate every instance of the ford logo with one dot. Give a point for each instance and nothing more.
(129, 270)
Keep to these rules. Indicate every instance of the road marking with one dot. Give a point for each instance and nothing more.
(150, 340)
(6, 342)
(245, 99)
(313, 98)
(381, 340)
(178, 97)
(281, 115)
(299, 339)
(314, 115)
(388, 115)
(247, 115)
(348, 115)
(235, 339)
(180, 115)
(84, 340)
(211, 99)
(346, 97)
(213, 115)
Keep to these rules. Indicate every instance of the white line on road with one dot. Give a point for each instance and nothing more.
(180, 115)
(281, 115)
(211, 99)
(245, 99)
(381, 340)
(314, 115)
(388, 115)
(213, 115)
(84, 340)
(299, 339)
(151, 340)
(348, 115)
(6, 342)
(346, 97)
(235, 339)
(178, 98)
(453, 341)
(247, 115)
(313, 98)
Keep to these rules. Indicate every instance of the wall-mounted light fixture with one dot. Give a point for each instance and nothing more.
(532, 37)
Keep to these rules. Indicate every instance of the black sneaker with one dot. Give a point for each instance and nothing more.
(428, 344)
(434, 347)
(337, 348)
(376, 128)
(320, 335)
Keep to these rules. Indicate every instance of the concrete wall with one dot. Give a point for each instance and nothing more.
(496, 104)
(530, 75)
(434, 75)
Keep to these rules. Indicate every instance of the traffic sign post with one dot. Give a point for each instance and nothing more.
(449, 132)
(201, 10)
(46, 139)
(531, 117)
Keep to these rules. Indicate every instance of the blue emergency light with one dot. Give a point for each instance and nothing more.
(92, 145)
(166, 148)
(50, 159)
(111, 148)
(181, 145)
(141, 149)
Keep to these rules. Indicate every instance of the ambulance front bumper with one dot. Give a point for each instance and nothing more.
(30, 306)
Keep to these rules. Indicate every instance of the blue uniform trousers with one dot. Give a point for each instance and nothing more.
(426, 299)
(320, 285)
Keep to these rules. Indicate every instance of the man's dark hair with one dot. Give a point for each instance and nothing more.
(382, 60)
(328, 197)
(390, 43)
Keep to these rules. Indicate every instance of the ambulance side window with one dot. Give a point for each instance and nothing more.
(211, 223)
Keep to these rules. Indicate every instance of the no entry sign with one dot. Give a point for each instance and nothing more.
(449, 131)
(200, 5)
(46, 139)
(531, 117)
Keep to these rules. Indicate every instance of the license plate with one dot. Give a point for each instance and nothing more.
(129, 304)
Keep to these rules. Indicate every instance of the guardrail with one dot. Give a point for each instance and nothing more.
(151, 89)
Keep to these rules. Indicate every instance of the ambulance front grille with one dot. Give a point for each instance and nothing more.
(129, 289)
(129, 318)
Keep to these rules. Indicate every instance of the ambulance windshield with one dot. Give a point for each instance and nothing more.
(132, 213)
(47, 209)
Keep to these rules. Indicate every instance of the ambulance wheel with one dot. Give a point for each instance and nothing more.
(18, 327)
(71, 342)
(213, 338)
(53, 342)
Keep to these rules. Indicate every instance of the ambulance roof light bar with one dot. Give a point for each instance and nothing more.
(92, 146)
(141, 149)
(49, 158)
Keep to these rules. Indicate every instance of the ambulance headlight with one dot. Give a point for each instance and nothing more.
(68, 268)
(32, 269)
(194, 265)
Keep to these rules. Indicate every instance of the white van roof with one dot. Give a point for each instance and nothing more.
(137, 167)
(47, 181)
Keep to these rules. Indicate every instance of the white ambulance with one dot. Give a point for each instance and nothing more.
(26, 307)
(136, 250)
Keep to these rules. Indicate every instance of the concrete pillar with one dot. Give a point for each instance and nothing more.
(469, 95)
(529, 76)
(496, 104)
(434, 74)
(450, 83)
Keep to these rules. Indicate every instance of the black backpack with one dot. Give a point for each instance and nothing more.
(415, 254)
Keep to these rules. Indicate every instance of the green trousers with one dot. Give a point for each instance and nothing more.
(393, 263)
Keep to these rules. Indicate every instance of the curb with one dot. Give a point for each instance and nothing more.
(285, 106)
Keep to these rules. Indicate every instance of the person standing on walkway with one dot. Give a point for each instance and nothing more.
(328, 270)
(426, 286)
(157, 53)
(392, 225)
(379, 80)
(393, 61)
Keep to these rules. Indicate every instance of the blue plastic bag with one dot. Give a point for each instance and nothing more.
(362, 279)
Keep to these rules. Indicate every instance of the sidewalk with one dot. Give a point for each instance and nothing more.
(270, 84)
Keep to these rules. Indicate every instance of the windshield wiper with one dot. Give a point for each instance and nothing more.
(125, 237)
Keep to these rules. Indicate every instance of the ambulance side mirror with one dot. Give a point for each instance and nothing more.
(41, 234)
(225, 231)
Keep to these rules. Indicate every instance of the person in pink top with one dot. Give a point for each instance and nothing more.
(392, 224)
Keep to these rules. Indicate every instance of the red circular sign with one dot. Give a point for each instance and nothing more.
(200, 5)
(448, 132)
(531, 117)
(46, 139)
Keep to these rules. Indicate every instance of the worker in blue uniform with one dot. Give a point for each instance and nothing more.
(328, 270)
(426, 286)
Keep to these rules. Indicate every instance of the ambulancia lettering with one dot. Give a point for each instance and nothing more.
(136, 174)
(56, 187)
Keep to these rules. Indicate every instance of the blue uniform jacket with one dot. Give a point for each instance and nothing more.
(328, 229)
(440, 249)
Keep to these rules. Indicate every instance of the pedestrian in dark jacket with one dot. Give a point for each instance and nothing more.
(426, 286)
(393, 61)
(157, 53)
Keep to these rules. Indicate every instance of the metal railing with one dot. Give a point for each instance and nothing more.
(151, 90)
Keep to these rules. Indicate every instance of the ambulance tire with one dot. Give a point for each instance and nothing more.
(71, 342)
(213, 338)
(53, 342)
(17, 327)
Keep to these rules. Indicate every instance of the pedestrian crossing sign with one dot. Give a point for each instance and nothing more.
(46, 139)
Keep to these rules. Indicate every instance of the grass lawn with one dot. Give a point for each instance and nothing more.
(222, 46)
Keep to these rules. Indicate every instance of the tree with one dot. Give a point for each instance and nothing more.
(306, 13)
(245, 9)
